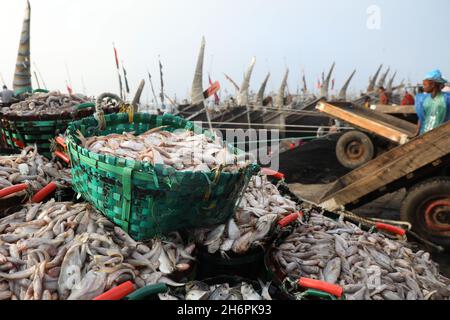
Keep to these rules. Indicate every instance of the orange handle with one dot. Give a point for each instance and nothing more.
(289, 219)
(13, 189)
(62, 156)
(333, 289)
(44, 192)
(18, 143)
(118, 292)
(60, 140)
(390, 228)
(272, 173)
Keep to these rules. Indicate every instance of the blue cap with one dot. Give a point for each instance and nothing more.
(435, 76)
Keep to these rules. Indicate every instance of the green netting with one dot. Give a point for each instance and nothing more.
(147, 200)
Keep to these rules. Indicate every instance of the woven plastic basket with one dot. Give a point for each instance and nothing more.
(18, 132)
(147, 200)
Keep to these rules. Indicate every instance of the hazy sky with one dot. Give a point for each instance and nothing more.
(306, 35)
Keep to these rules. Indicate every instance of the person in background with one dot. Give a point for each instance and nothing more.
(384, 99)
(6, 95)
(433, 109)
(408, 99)
(367, 102)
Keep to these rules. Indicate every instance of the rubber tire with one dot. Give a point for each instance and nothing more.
(345, 140)
(418, 194)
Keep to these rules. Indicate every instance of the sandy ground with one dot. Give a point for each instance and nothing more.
(310, 169)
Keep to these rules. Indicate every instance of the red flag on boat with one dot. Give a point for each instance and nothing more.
(215, 87)
(216, 97)
(117, 57)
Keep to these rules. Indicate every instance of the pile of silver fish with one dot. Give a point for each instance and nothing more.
(197, 290)
(261, 207)
(59, 251)
(32, 168)
(182, 149)
(369, 266)
(52, 103)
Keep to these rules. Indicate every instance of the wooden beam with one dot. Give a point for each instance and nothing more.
(393, 109)
(364, 123)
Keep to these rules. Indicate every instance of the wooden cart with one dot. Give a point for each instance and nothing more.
(422, 166)
(375, 132)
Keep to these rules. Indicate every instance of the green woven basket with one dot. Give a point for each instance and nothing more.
(147, 200)
(18, 132)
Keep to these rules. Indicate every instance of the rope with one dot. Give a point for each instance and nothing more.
(280, 130)
(281, 125)
(285, 139)
(271, 110)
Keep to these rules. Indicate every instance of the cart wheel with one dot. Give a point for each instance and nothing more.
(354, 149)
(427, 207)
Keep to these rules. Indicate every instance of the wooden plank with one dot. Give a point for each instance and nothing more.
(384, 119)
(376, 174)
(393, 109)
(363, 123)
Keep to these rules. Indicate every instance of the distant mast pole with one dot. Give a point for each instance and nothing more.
(153, 89)
(118, 71)
(162, 83)
(125, 78)
(68, 76)
(40, 75)
(37, 80)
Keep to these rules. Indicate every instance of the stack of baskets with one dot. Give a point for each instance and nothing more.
(147, 200)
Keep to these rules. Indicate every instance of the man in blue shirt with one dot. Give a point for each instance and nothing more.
(433, 107)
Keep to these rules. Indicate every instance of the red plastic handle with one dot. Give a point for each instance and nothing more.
(62, 156)
(18, 143)
(289, 219)
(44, 192)
(118, 292)
(13, 189)
(272, 173)
(60, 140)
(390, 228)
(333, 289)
